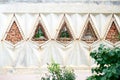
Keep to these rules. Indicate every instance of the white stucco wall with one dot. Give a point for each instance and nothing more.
(58, 8)
(77, 13)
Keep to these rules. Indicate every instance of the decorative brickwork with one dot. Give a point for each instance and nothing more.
(14, 35)
(89, 35)
(112, 34)
(64, 35)
(40, 35)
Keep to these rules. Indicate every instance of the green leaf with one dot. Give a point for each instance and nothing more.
(108, 63)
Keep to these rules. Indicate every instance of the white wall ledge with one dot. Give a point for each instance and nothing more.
(58, 8)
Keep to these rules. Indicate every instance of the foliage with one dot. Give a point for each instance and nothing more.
(68, 74)
(64, 34)
(39, 33)
(119, 36)
(56, 73)
(108, 64)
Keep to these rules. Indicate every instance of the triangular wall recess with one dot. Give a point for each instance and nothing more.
(113, 33)
(89, 35)
(64, 35)
(40, 35)
(13, 35)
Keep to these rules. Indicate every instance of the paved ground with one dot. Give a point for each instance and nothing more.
(80, 75)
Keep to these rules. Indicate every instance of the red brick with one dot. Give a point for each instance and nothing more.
(14, 34)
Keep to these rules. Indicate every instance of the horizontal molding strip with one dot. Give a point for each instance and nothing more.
(58, 8)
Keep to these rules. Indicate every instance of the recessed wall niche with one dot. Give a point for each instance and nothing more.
(113, 33)
(64, 35)
(89, 35)
(13, 35)
(40, 35)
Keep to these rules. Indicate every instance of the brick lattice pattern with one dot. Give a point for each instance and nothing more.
(112, 34)
(89, 35)
(14, 35)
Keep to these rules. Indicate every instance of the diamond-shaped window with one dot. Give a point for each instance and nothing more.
(113, 33)
(39, 35)
(89, 35)
(64, 35)
(13, 35)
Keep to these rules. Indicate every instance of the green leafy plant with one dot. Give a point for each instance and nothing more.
(57, 73)
(64, 34)
(39, 33)
(108, 64)
(68, 74)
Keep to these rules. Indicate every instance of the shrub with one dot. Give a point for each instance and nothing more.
(108, 64)
(57, 73)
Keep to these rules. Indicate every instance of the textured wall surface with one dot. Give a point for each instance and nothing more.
(88, 25)
(23, 44)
